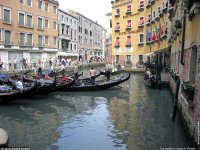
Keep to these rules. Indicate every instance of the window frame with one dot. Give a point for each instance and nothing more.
(24, 42)
(45, 40)
(23, 2)
(45, 23)
(10, 16)
(55, 23)
(31, 39)
(38, 40)
(139, 37)
(27, 20)
(1, 35)
(55, 41)
(10, 36)
(39, 17)
(41, 4)
(21, 12)
(45, 6)
(31, 3)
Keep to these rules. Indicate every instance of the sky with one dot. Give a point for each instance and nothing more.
(93, 9)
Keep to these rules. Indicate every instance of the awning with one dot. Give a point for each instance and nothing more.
(67, 54)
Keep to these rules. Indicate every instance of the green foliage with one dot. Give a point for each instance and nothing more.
(187, 4)
(188, 86)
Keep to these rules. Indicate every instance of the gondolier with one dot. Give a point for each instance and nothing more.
(75, 72)
(92, 75)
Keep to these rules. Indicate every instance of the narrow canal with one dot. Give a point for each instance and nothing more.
(133, 117)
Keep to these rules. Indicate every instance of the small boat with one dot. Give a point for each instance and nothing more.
(111, 73)
(99, 84)
(10, 95)
(60, 84)
(150, 81)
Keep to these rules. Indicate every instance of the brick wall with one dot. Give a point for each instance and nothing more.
(185, 72)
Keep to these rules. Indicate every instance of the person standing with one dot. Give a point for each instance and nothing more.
(76, 71)
(19, 85)
(108, 71)
(92, 75)
(62, 67)
(1, 64)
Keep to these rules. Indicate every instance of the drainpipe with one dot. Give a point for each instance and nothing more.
(183, 37)
(176, 99)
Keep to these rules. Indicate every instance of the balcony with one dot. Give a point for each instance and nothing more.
(117, 15)
(148, 23)
(65, 37)
(152, 2)
(128, 12)
(140, 43)
(141, 8)
(40, 28)
(164, 10)
(9, 22)
(157, 18)
(128, 28)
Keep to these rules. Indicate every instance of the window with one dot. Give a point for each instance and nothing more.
(46, 7)
(55, 9)
(29, 2)
(128, 8)
(117, 26)
(141, 38)
(128, 24)
(149, 18)
(154, 14)
(46, 40)
(141, 21)
(29, 39)
(40, 40)
(141, 4)
(21, 1)
(54, 40)
(128, 57)
(7, 16)
(21, 19)
(22, 39)
(128, 41)
(7, 37)
(159, 11)
(0, 35)
(117, 42)
(39, 4)
(46, 23)
(40, 23)
(54, 25)
(75, 47)
(29, 21)
(117, 12)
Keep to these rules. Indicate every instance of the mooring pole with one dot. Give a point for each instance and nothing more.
(176, 99)
(158, 70)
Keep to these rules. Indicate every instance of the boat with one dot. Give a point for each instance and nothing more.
(10, 95)
(111, 73)
(60, 84)
(99, 84)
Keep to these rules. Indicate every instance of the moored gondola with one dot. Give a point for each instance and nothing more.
(10, 95)
(99, 84)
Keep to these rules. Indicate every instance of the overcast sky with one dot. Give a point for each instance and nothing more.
(93, 9)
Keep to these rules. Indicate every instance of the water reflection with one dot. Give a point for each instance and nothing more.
(133, 117)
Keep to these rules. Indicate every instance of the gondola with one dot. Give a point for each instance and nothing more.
(60, 85)
(99, 85)
(111, 73)
(45, 87)
(10, 95)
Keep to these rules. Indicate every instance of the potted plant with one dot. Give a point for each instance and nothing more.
(188, 89)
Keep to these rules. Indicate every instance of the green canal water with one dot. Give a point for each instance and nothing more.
(129, 117)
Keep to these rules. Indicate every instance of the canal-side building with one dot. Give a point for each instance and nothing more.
(108, 52)
(91, 38)
(67, 35)
(185, 61)
(139, 29)
(28, 29)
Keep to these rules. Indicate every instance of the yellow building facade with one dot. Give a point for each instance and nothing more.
(139, 28)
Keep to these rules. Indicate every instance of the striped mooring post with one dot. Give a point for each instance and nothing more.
(3, 138)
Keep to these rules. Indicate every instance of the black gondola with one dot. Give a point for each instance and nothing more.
(99, 85)
(60, 85)
(111, 73)
(7, 96)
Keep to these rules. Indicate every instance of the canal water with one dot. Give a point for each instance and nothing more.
(128, 117)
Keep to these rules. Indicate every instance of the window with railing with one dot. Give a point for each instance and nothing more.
(128, 25)
(141, 22)
(141, 5)
(6, 16)
(128, 9)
